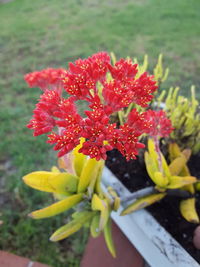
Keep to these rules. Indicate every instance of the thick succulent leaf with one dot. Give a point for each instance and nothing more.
(177, 165)
(151, 161)
(197, 186)
(95, 183)
(98, 203)
(115, 197)
(116, 204)
(108, 238)
(79, 159)
(72, 227)
(97, 187)
(60, 183)
(188, 210)
(94, 227)
(57, 207)
(143, 202)
(153, 171)
(187, 153)
(160, 180)
(180, 181)
(103, 206)
(55, 169)
(62, 196)
(151, 165)
(165, 167)
(174, 151)
(152, 152)
(88, 173)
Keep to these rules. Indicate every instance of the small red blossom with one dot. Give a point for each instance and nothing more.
(143, 88)
(46, 79)
(159, 124)
(138, 121)
(117, 95)
(41, 123)
(123, 70)
(65, 141)
(95, 150)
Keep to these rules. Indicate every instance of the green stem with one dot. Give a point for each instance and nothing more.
(129, 109)
(120, 115)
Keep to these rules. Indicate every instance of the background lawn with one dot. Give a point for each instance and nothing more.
(48, 33)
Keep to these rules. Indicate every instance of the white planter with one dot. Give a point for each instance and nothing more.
(153, 242)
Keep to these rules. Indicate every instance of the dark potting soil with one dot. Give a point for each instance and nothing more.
(134, 176)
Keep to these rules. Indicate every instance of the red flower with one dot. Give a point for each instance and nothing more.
(65, 141)
(95, 150)
(41, 123)
(142, 89)
(46, 79)
(117, 95)
(123, 70)
(159, 124)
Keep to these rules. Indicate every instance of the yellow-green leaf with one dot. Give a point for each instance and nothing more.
(103, 206)
(72, 227)
(79, 158)
(94, 227)
(108, 238)
(160, 180)
(97, 188)
(55, 169)
(115, 197)
(152, 151)
(143, 202)
(151, 165)
(174, 151)
(88, 173)
(60, 183)
(187, 153)
(197, 186)
(95, 182)
(188, 210)
(57, 207)
(180, 181)
(177, 165)
(165, 167)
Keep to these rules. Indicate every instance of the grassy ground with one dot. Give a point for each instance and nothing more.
(38, 34)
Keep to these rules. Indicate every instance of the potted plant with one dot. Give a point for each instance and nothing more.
(119, 117)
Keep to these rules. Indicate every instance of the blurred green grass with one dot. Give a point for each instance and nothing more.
(39, 34)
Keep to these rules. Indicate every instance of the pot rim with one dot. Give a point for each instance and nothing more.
(153, 242)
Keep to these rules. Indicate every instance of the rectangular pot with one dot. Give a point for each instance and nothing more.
(153, 242)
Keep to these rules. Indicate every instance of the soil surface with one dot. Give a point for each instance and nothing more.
(134, 176)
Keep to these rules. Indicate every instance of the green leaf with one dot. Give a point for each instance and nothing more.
(79, 159)
(94, 227)
(72, 227)
(103, 206)
(108, 237)
(57, 207)
(188, 210)
(143, 202)
(89, 172)
(53, 182)
(180, 181)
(177, 165)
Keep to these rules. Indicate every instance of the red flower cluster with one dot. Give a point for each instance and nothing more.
(107, 89)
